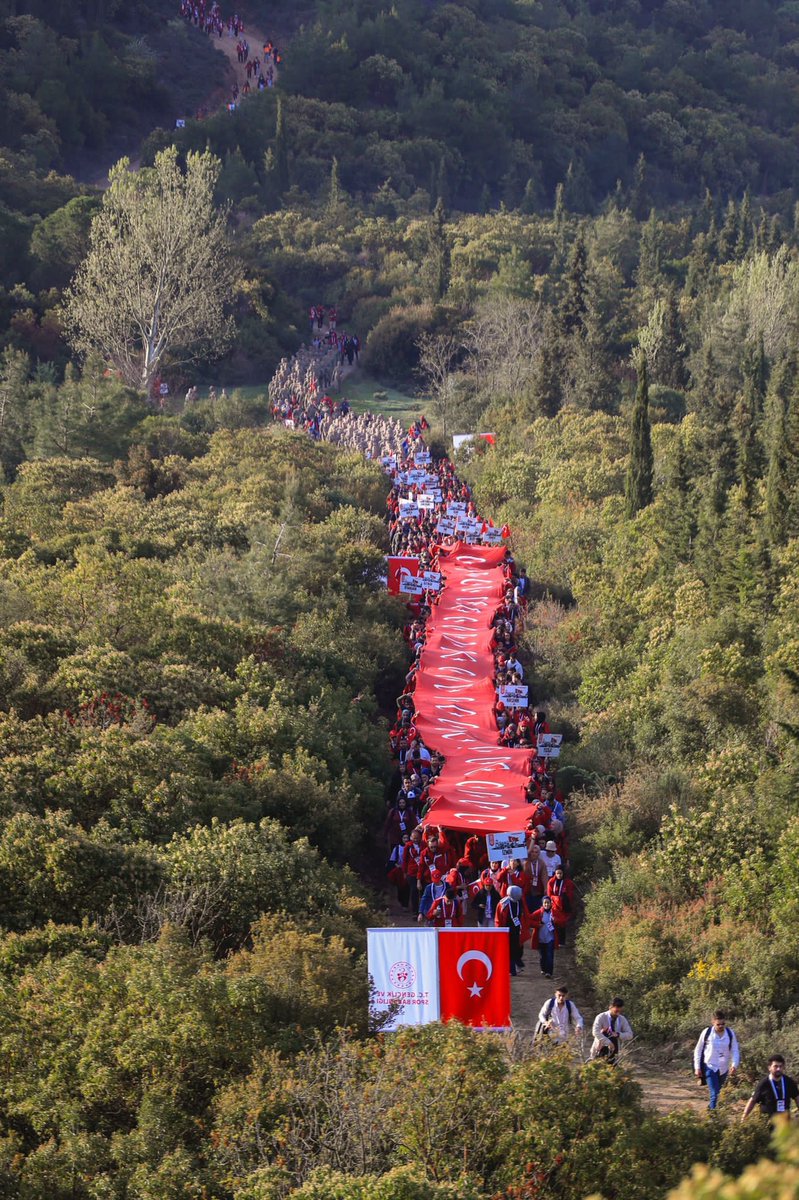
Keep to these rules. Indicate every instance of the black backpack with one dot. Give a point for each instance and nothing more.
(539, 1029)
(702, 1066)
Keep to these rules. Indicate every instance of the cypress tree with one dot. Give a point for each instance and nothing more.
(281, 149)
(729, 233)
(438, 253)
(639, 196)
(546, 390)
(640, 470)
(747, 422)
(782, 502)
(573, 306)
(334, 194)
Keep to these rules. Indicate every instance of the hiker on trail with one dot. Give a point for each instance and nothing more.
(412, 866)
(545, 936)
(486, 895)
(446, 911)
(774, 1093)
(434, 890)
(512, 915)
(611, 1029)
(537, 878)
(561, 892)
(559, 1017)
(716, 1055)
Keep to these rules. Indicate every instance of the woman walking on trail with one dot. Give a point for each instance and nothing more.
(544, 936)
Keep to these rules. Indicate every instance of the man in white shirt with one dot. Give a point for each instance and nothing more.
(550, 858)
(610, 1029)
(513, 664)
(716, 1054)
(560, 1017)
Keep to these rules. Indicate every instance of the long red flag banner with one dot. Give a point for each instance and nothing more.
(482, 784)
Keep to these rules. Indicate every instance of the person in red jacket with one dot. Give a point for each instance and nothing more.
(544, 936)
(411, 865)
(512, 915)
(561, 892)
(446, 911)
(434, 857)
(402, 818)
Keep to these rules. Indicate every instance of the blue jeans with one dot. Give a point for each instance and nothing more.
(546, 953)
(715, 1082)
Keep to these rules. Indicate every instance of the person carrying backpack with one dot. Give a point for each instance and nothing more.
(716, 1055)
(559, 1017)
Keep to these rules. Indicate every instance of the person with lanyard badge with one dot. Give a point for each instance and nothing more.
(716, 1055)
(445, 912)
(774, 1093)
(511, 916)
(610, 1029)
(543, 922)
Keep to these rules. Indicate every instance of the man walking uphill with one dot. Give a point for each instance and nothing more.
(774, 1093)
(716, 1055)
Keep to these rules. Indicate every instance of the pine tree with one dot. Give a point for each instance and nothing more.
(782, 484)
(281, 150)
(649, 276)
(680, 521)
(573, 305)
(640, 471)
(744, 226)
(527, 204)
(747, 420)
(546, 392)
(591, 381)
(671, 369)
(729, 233)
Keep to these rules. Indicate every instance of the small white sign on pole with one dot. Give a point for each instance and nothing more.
(408, 508)
(548, 745)
(403, 967)
(514, 695)
(426, 502)
(506, 845)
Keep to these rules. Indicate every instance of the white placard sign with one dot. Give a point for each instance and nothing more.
(426, 502)
(548, 745)
(446, 525)
(456, 506)
(389, 462)
(408, 508)
(413, 586)
(431, 578)
(506, 845)
(403, 966)
(492, 537)
(514, 695)
(422, 458)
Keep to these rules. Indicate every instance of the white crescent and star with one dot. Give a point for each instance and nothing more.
(475, 956)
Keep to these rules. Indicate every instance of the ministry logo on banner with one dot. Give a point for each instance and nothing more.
(403, 965)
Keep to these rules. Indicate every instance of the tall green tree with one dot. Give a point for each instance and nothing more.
(281, 160)
(640, 470)
(155, 285)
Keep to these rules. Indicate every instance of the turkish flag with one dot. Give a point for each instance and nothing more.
(474, 976)
(399, 567)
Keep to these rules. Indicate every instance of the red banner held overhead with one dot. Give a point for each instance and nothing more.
(482, 787)
(400, 569)
(474, 976)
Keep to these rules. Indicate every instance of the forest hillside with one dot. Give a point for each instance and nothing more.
(572, 224)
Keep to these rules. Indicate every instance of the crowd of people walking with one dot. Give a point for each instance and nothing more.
(259, 66)
(440, 877)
